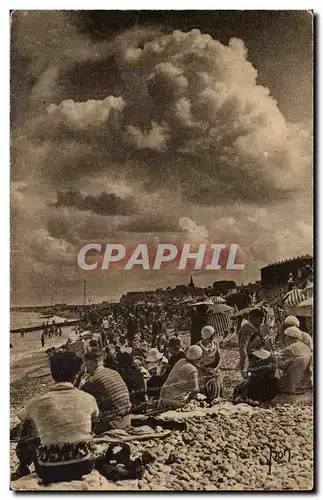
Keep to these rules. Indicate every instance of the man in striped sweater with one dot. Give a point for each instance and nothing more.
(110, 392)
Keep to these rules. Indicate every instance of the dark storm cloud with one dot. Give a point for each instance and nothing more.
(151, 223)
(102, 204)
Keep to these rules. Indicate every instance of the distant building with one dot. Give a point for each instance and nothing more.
(140, 295)
(277, 274)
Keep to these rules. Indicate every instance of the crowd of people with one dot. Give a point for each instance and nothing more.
(50, 330)
(141, 358)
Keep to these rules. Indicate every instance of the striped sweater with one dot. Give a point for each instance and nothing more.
(110, 392)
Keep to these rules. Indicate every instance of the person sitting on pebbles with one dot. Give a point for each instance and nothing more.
(261, 385)
(295, 364)
(175, 351)
(182, 383)
(110, 392)
(157, 366)
(252, 336)
(292, 324)
(57, 426)
(296, 333)
(210, 378)
(133, 378)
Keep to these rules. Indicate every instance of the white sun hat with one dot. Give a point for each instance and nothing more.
(291, 321)
(154, 355)
(293, 332)
(194, 352)
(207, 332)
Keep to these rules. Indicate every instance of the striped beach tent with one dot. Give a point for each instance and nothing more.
(219, 316)
(294, 297)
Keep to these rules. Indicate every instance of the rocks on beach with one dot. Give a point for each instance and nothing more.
(231, 452)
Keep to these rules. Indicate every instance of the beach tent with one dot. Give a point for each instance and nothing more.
(294, 297)
(219, 315)
(220, 318)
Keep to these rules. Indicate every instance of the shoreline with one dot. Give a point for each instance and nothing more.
(30, 373)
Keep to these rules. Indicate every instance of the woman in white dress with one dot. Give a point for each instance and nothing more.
(210, 377)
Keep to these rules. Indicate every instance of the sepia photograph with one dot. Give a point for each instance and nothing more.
(161, 250)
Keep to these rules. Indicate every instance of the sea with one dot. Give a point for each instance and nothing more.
(30, 344)
(20, 319)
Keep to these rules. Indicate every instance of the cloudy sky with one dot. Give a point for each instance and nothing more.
(136, 127)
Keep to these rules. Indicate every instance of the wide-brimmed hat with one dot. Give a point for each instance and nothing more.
(257, 311)
(261, 353)
(154, 355)
(207, 332)
(194, 352)
(293, 332)
(291, 321)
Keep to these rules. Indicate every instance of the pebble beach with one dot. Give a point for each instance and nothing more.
(231, 452)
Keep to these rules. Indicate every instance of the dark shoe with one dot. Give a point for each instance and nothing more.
(22, 471)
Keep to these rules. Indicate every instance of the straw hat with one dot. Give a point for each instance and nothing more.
(154, 355)
(293, 332)
(194, 352)
(291, 321)
(207, 332)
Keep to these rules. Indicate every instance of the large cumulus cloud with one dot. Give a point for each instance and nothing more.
(195, 107)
